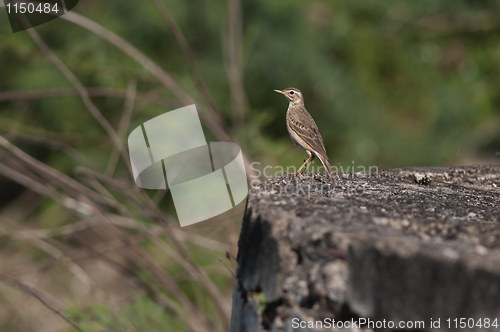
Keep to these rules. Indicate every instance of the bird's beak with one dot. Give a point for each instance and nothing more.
(279, 91)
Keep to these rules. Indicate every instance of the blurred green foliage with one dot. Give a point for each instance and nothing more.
(392, 83)
(141, 314)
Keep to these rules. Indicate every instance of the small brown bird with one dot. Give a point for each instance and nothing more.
(304, 131)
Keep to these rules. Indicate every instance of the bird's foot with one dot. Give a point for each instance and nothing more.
(299, 173)
(295, 173)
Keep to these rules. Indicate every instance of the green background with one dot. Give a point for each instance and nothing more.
(389, 83)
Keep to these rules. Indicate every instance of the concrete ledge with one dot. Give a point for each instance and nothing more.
(404, 244)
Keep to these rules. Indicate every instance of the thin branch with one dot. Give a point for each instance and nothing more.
(119, 184)
(16, 283)
(53, 144)
(122, 127)
(211, 269)
(51, 232)
(30, 183)
(15, 314)
(83, 93)
(125, 188)
(196, 273)
(74, 254)
(202, 241)
(54, 252)
(197, 240)
(92, 92)
(8, 125)
(455, 159)
(65, 181)
(211, 120)
(122, 209)
(188, 54)
(194, 239)
(143, 260)
(74, 205)
(222, 306)
(119, 221)
(97, 251)
(238, 94)
(133, 52)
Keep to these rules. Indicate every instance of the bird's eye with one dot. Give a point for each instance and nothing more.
(291, 92)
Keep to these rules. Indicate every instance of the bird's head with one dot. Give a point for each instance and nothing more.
(293, 95)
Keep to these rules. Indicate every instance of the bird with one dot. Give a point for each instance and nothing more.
(303, 130)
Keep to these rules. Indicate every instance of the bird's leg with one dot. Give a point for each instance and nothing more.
(305, 162)
(310, 162)
(298, 172)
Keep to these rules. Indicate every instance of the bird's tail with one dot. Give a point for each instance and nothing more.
(324, 161)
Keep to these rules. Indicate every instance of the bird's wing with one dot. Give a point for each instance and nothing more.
(302, 123)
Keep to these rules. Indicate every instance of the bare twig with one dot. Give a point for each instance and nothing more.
(119, 221)
(53, 144)
(195, 273)
(14, 314)
(122, 127)
(222, 306)
(82, 91)
(238, 94)
(455, 159)
(63, 180)
(16, 283)
(202, 241)
(51, 250)
(119, 184)
(125, 188)
(74, 254)
(119, 42)
(143, 260)
(98, 252)
(29, 183)
(210, 119)
(188, 54)
(211, 269)
(194, 239)
(8, 125)
(227, 267)
(92, 92)
(51, 232)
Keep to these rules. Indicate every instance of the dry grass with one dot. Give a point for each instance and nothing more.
(115, 243)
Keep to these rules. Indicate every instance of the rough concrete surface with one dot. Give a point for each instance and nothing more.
(402, 245)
